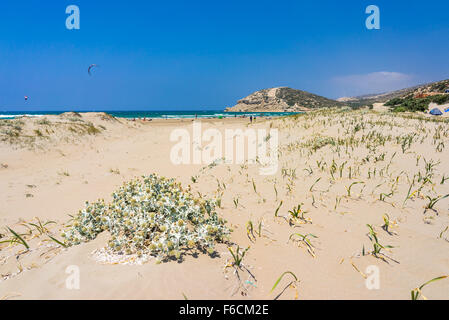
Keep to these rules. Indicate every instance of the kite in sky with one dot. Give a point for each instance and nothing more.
(90, 68)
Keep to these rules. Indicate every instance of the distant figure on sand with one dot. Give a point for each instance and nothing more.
(251, 119)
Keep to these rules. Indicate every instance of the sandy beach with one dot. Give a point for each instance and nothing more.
(338, 172)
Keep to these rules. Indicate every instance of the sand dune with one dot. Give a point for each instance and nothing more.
(344, 169)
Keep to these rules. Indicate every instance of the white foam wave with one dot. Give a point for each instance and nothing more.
(12, 116)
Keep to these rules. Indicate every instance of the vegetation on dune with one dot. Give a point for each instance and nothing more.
(33, 230)
(31, 132)
(10, 130)
(153, 215)
(410, 103)
(334, 161)
(364, 146)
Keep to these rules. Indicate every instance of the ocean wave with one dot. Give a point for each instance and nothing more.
(12, 116)
(159, 114)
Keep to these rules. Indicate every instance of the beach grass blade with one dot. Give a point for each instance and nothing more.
(277, 210)
(57, 241)
(280, 278)
(19, 238)
(416, 293)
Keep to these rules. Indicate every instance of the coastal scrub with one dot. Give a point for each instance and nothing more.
(152, 215)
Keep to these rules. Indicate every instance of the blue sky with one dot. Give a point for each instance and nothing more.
(171, 55)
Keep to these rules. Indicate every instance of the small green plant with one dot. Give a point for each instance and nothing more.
(341, 168)
(236, 202)
(433, 201)
(296, 211)
(277, 209)
(442, 232)
(16, 238)
(304, 239)
(298, 214)
(417, 292)
(410, 194)
(337, 202)
(313, 185)
(64, 173)
(114, 171)
(238, 266)
(250, 231)
(57, 241)
(309, 170)
(440, 147)
(254, 187)
(259, 228)
(377, 247)
(386, 225)
(292, 283)
(383, 196)
(238, 256)
(41, 227)
(218, 201)
(348, 189)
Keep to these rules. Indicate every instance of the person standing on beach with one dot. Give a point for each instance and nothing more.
(250, 119)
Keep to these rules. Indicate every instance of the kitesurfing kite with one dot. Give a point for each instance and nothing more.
(90, 68)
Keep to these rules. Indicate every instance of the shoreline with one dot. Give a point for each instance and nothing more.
(8, 115)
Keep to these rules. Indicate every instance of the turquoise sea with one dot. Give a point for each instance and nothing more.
(152, 114)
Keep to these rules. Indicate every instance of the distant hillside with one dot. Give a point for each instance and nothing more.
(282, 99)
(420, 91)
